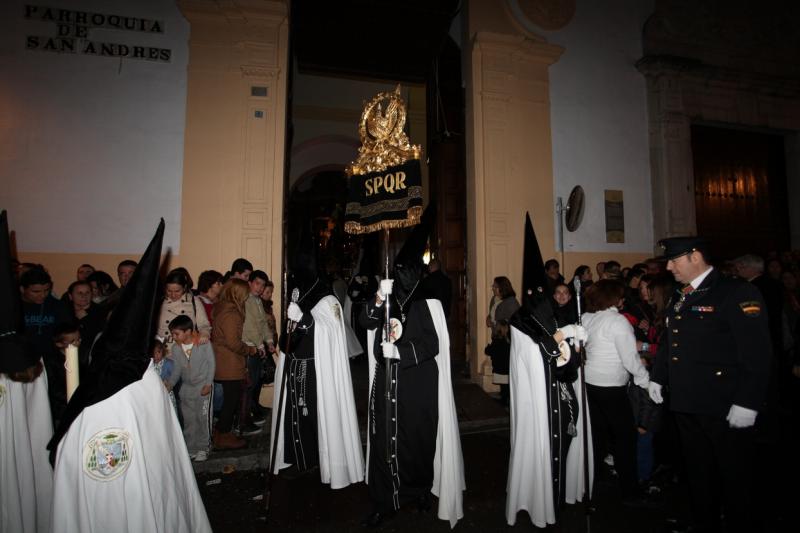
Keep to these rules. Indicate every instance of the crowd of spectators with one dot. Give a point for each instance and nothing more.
(225, 326)
(623, 309)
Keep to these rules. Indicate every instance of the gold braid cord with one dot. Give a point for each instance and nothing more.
(384, 144)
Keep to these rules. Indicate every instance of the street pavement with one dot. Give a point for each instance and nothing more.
(232, 485)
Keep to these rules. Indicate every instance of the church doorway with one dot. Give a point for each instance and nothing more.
(329, 82)
(740, 186)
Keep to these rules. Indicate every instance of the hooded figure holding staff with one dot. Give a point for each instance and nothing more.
(423, 441)
(547, 452)
(318, 424)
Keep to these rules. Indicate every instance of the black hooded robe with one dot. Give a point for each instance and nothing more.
(414, 414)
(301, 446)
(536, 319)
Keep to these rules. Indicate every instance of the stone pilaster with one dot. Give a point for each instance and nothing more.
(235, 135)
(509, 168)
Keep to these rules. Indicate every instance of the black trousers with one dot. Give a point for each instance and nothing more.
(614, 431)
(720, 468)
(231, 398)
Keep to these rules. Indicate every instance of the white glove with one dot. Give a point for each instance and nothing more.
(294, 312)
(654, 390)
(390, 350)
(741, 417)
(573, 331)
(385, 288)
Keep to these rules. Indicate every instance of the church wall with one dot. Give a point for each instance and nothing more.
(235, 140)
(548, 110)
(187, 139)
(599, 123)
(91, 128)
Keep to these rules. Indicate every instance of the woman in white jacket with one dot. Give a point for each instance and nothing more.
(611, 359)
(179, 300)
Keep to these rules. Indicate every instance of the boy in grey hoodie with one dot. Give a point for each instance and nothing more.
(194, 366)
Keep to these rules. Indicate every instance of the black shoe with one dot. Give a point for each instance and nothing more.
(259, 420)
(249, 429)
(424, 503)
(375, 519)
(675, 526)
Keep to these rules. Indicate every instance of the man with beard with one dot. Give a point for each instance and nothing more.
(318, 415)
(413, 444)
(546, 463)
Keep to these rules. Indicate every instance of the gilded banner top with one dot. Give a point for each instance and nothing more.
(385, 180)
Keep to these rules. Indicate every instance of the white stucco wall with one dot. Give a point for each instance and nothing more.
(599, 120)
(91, 147)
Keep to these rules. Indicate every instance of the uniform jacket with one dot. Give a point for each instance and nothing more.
(715, 350)
(231, 352)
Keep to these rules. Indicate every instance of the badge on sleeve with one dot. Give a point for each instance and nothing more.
(107, 455)
(751, 308)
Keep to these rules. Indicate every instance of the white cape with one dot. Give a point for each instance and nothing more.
(530, 481)
(448, 463)
(150, 487)
(340, 454)
(353, 346)
(26, 479)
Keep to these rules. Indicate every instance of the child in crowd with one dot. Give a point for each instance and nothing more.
(499, 350)
(647, 416)
(163, 366)
(194, 365)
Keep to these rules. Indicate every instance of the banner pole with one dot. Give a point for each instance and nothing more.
(587, 495)
(387, 362)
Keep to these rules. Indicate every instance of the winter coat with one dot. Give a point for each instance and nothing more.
(188, 305)
(230, 350)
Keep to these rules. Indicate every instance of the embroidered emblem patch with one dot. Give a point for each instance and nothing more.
(2, 395)
(336, 311)
(395, 329)
(703, 308)
(751, 308)
(107, 455)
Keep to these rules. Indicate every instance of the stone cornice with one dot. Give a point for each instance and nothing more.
(523, 47)
(268, 12)
(694, 70)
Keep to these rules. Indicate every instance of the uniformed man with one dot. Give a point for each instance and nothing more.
(714, 361)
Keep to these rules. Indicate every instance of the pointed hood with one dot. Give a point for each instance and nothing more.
(535, 317)
(304, 272)
(121, 354)
(533, 276)
(408, 264)
(16, 354)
